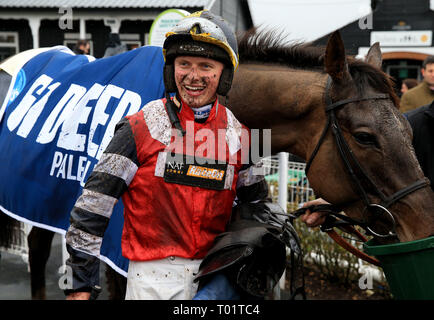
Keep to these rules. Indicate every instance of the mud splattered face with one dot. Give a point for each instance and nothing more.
(197, 79)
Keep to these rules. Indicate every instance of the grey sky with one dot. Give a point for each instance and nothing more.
(307, 20)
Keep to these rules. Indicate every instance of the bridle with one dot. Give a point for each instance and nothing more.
(352, 163)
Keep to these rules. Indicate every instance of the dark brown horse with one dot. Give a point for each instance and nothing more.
(283, 87)
(286, 88)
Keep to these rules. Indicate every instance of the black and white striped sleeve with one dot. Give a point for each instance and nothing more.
(90, 216)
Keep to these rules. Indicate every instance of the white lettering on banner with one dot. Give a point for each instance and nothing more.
(82, 169)
(73, 109)
(62, 169)
(70, 176)
(34, 112)
(129, 99)
(57, 160)
(69, 138)
(70, 99)
(23, 110)
(63, 166)
(100, 117)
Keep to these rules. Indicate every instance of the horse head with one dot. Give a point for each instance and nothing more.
(370, 143)
(344, 120)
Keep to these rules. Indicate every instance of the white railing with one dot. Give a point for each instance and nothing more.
(299, 190)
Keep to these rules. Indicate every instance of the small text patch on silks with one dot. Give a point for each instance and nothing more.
(194, 171)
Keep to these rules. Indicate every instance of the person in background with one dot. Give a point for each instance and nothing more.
(82, 47)
(422, 123)
(423, 93)
(408, 84)
(114, 46)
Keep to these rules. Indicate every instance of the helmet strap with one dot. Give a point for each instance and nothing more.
(225, 81)
(173, 115)
(169, 77)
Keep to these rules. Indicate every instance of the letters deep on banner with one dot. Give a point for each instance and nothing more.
(56, 121)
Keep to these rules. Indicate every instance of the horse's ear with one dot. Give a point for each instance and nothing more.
(374, 56)
(335, 59)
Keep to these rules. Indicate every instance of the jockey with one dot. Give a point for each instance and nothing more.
(178, 191)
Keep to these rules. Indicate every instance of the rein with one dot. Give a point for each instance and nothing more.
(351, 163)
(344, 223)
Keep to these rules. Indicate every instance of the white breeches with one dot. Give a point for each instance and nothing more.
(166, 279)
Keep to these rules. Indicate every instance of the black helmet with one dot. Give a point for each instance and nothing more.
(206, 35)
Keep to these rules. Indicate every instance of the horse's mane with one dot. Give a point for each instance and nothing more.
(271, 47)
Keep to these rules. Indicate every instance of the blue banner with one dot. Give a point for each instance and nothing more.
(60, 115)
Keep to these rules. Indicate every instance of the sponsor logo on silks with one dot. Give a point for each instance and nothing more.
(20, 83)
(196, 172)
(206, 173)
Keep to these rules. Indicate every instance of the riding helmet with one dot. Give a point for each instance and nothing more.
(206, 35)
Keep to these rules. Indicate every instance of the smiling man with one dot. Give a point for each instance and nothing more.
(174, 209)
(197, 79)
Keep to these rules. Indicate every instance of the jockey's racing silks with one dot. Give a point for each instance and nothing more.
(161, 218)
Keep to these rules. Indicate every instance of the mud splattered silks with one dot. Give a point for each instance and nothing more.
(58, 116)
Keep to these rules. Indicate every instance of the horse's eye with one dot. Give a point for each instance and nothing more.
(366, 138)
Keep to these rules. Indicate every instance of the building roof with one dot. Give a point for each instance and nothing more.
(103, 3)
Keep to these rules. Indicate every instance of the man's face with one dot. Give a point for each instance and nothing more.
(197, 79)
(428, 74)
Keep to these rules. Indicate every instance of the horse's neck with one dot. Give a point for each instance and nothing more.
(282, 99)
